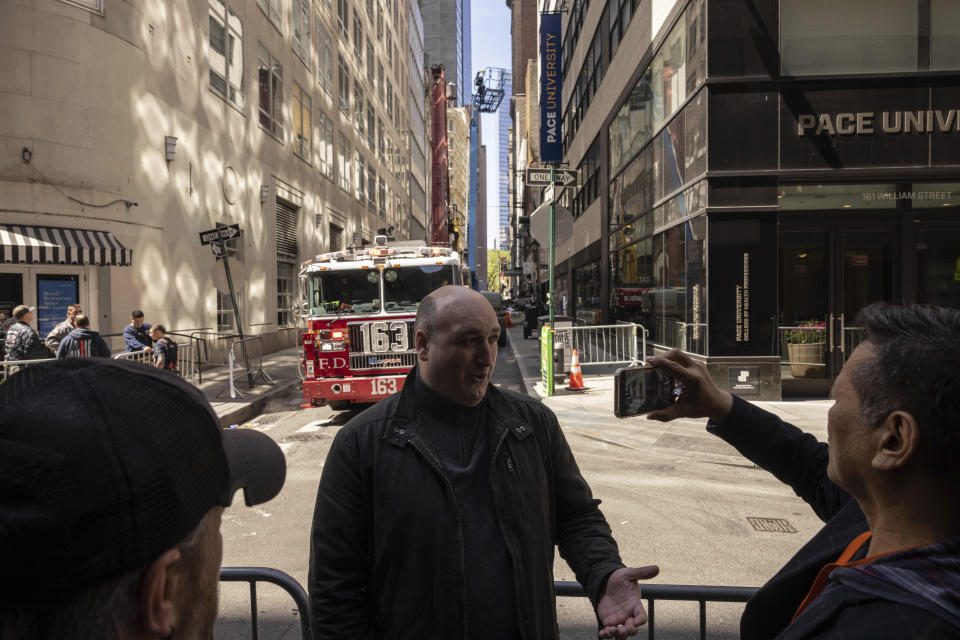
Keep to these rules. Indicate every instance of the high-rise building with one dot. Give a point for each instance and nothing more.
(504, 122)
(446, 41)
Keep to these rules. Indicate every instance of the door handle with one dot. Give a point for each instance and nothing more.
(830, 333)
(843, 329)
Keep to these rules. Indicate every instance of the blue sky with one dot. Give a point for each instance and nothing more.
(490, 34)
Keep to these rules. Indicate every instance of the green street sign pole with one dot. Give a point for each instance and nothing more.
(553, 296)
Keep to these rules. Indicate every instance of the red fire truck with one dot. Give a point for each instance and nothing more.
(359, 306)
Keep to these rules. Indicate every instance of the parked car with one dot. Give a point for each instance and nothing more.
(496, 301)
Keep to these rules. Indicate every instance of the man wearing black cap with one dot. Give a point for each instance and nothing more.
(109, 518)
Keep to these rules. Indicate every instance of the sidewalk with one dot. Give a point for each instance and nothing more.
(281, 367)
(593, 406)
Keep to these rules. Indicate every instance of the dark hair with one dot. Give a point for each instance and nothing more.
(82, 320)
(136, 313)
(916, 369)
(159, 327)
(75, 305)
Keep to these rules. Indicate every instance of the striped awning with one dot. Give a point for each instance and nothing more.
(21, 244)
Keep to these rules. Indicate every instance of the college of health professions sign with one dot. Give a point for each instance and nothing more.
(551, 88)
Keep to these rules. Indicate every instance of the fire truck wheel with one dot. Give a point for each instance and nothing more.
(339, 405)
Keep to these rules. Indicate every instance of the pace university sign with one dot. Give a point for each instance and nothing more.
(551, 88)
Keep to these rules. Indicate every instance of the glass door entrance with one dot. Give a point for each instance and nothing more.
(826, 276)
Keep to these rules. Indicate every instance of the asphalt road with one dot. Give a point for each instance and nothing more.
(673, 495)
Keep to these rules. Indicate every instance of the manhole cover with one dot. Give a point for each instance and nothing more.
(775, 525)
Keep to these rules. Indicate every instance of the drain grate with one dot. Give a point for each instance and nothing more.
(774, 525)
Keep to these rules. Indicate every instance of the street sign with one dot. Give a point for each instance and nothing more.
(220, 233)
(548, 194)
(562, 177)
(511, 273)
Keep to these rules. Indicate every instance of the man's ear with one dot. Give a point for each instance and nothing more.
(420, 344)
(158, 590)
(898, 442)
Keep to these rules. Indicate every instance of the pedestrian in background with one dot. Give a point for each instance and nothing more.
(136, 335)
(112, 486)
(60, 331)
(440, 508)
(164, 348)
(83, 342)
(22, 342)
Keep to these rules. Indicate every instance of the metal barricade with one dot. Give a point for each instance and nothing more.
(605, 344)
(701, 594)
(253, 575)
(245, 357)
(143, 356)
(215, 347)
(10, 367)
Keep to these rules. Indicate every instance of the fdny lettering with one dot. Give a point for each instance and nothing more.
(338, 363)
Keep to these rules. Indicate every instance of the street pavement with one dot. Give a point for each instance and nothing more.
(673, 494)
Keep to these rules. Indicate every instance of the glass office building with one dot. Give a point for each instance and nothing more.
(769, 169)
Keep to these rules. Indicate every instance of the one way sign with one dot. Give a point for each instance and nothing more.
(220, 233)
(561, 177)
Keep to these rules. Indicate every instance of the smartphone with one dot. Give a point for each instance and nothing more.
(639, 390)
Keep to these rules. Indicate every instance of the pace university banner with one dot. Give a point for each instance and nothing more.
(551, 88)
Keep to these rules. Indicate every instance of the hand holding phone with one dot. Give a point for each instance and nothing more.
(640, 390)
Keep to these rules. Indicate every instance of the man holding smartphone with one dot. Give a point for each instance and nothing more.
(887, 485)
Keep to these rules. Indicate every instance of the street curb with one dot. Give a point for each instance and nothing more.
(245, 411)
(527, 380)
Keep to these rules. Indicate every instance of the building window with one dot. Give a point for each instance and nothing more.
(343, 85)
(226, 52)
(302, 126)
(96, 6)
(361, 191)
(342, 18)
(371, 189)
(821, 37)
(325, 144)
(380, 80)
(358, 107)
(389, 100)
(371, 78)
(357, 36)
(336, 237)
(343, 161)
(270, 75)
(381, 142)
(272, 9)
(324, 58)
(379, 21)
(287, 215)
(590, 176)
(369, 4)
(371, 127)
(226, 321)
(301, 30)
(382, 196)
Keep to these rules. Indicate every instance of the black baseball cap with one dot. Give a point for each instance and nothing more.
(105, 464)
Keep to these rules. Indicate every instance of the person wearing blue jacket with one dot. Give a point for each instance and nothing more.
(83, 342)
(136, 335)
(886, 564)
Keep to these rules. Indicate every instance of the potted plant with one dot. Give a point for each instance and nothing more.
(807, 349)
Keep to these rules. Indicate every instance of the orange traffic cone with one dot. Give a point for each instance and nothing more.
(576, 376)
(509, 321)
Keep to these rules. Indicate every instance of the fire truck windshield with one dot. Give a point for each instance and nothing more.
(405, 287)
(344, 292)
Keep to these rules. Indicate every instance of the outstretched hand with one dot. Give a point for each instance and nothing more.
(701, 398)
(620, 609)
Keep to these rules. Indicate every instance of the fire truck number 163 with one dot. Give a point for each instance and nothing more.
(384, 386)
(378, 336)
